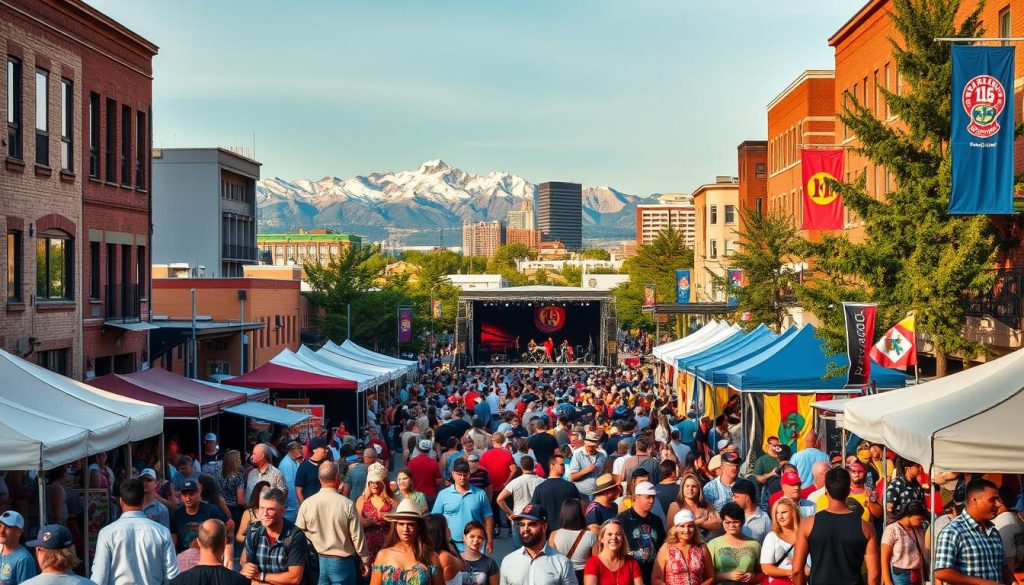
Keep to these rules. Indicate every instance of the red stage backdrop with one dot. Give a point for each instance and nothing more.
(549, 319)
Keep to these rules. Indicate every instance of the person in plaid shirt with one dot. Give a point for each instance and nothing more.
(968, 549)
(277, 550)
(903, 488)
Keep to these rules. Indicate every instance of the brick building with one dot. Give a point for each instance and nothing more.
(752, 168)
(674, 210)
(318, 245)
(482, 238)
(262, 313)
(527, 237)
(57, 56)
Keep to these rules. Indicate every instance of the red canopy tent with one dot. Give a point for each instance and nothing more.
(278, 377)
(181, 397)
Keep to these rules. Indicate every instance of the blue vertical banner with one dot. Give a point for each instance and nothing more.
(982, 131)
(682, 287)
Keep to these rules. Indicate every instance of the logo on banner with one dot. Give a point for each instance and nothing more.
(818, 189)
(682, 286)
(984, 99)
(549, 319)
(860, 332)
(404, 325)
(649, 297)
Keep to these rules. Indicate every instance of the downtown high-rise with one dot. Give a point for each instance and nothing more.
(560, 213)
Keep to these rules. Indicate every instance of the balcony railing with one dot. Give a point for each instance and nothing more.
(1002, 301)
(122, 302)
(238, 252)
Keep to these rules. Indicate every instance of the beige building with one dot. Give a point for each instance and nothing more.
(717, 219)
(522, 217)
(675, 210)
(482, 238)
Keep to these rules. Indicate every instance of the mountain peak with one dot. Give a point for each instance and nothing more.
(434, 166)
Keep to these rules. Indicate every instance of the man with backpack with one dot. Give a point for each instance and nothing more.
(277, 551)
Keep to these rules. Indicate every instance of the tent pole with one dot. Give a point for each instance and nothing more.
(199, 443)
(163, 457)
(41, 486)
(932, 537)
(885, 466)
(85, 519)
(844, 447)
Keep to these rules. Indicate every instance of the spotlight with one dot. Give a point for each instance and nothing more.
(506, 304)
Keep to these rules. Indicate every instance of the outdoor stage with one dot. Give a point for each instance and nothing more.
(494, 327)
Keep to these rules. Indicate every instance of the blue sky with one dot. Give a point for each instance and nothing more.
(643, 95)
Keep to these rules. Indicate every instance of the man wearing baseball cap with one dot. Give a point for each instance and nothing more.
(152, 507)
(535, 562)
(461, 502)
(645, 532)
(55, 553)
(213, 457)
(718, 492)
(426, 473)
(586, 464)
(16, 564)
(185, 520)
(307, 480)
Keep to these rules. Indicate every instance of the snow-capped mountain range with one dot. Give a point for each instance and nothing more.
(415, 206)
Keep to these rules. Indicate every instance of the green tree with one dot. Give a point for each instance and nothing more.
(595, 254)
(915, 257)
(507, 255)
(572, 274)
(768, 244)
(655, 263)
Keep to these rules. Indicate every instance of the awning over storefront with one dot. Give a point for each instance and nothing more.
(181, 397)
(269, 413)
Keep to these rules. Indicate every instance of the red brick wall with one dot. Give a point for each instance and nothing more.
(751, 187)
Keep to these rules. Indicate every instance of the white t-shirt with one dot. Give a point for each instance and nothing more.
(1011, 530)
(522, 489)
(773, 551)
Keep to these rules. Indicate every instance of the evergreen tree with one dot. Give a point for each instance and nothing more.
(656, 263)
(768, 245)
(914, 256)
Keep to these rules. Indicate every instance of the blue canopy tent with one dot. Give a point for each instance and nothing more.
(686, 366)
(714, 380)
(779, 385)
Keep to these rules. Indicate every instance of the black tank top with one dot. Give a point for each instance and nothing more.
(836, 546)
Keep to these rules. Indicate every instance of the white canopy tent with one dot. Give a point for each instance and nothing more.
(659, 351)
(50, 420)
(964, 422)
(724, 331)
(409, 366)
(394, 371)
(381, 374)
(290, 359)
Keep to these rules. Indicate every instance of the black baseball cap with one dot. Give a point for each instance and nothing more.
(534, 512)
(189, 485)
(53, 537)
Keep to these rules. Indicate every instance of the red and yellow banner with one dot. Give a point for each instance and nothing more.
(823, 207)
(789, 417)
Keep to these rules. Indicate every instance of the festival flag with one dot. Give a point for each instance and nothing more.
(823, 207)
(682, 287)
(404, 324)
(736, 280)
(788, 416)
(648, 296)
(435, 308)
(860, 330)
(981, 138)
(898, 347)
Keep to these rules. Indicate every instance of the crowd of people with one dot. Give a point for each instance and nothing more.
(593, 474)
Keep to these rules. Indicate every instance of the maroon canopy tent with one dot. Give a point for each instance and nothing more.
(181, 397)
(278, 377)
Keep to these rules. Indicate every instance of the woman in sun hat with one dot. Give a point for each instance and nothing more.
(407, 557)
(683, 559)
(376, 500)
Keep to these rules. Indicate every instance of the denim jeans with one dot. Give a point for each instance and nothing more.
(900, 576)
(338, 571)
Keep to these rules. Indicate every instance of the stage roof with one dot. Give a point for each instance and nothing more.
(535, 292)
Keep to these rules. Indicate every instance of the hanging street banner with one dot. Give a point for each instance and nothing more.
(736, 280)
(404, 324)
(435, 308)
(898, 347)
(648, 301)
(823, 207)
(682, 287)
(982, 131)
(860, 332)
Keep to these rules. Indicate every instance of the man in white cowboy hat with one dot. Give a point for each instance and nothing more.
(586, 464)
(535, 562)
(332, 526)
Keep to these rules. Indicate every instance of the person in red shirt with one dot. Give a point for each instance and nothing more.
(470, 400)
(383, 453)
(500, 465)
(426, 473)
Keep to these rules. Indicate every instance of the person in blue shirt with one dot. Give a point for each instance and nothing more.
(16, 563)
(688, 430)
(461, 502)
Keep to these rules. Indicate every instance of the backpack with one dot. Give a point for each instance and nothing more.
(311, 570)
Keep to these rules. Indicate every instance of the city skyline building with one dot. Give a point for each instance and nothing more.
(482, 238)
(560, 213)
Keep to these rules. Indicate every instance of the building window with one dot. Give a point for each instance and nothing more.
(758, 204)
(730, 214)
(714, 215)
(55, 360)
(126, 146)
(1004, 25)
(42, 118)
(94, 271)
(899, 81)
(94, 135)
(760, 171)
(713, 249)
(111, 146)
(140, 255)
(14, 252)
(728, 248)
(140, 150)
(874, 94)
(846, 105)
(67, 125)
(14, 137)
(888, 112)
(54, 266)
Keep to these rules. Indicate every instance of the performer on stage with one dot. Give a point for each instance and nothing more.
(549, 349)
(563, 351)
